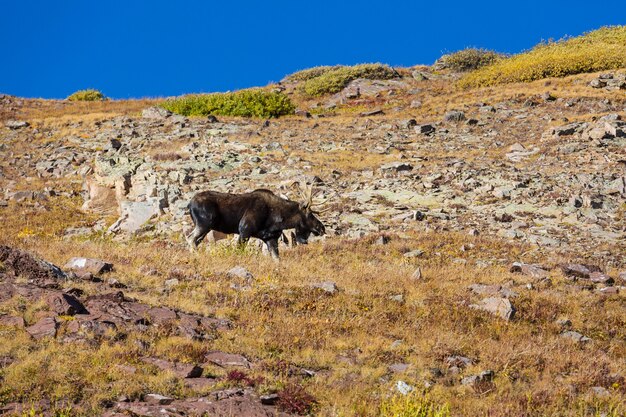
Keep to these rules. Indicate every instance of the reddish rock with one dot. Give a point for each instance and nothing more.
(43, 328)
(11, 321)
(579, 270)
(65, 304)
(161, 315)
(533, 270)
(601, 278)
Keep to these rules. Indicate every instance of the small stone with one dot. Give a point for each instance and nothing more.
(240, 272)
(414, 253)
(157, 399)
(327, 286)
(404, 388)
(227, 359)
(564, 322)
(171, 283)
(454, 116)
(417, 275)
(458, 361)
(575, 336)
(399, 367)
(212, 119)
(533, 270)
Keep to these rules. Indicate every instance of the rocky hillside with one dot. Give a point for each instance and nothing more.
(474, 262)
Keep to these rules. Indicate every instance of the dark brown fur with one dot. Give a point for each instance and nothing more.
(260, 214)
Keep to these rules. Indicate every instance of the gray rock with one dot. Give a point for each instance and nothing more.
(484, 376)
(327, 286)
(157, 399)
(414, 253)
(404, 388)
(16, 124)
(575, 336)
(240, 272)
(498, 306)
(155, 113)
(454, 116)
(93, 266)
(135, 214)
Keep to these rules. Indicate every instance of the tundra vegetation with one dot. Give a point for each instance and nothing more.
(254, 102)
(383, 317)
(468, 59)
(600, 50)
(329, 80)
(87, 95)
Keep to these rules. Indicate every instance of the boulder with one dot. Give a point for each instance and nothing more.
(498, 306)
(155, 112)
(65, 304)
(90, 265)
(16, 124)
(579, 270)
(46, 327)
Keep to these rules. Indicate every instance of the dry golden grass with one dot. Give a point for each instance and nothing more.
(347, 338)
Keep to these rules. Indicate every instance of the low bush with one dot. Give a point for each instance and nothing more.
(336, 79)
(307, 74)
(602, 49)
(468, 59)
(245, 103)
(87, 95)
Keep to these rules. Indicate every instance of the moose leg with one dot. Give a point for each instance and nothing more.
(196, 237)
(272, 247)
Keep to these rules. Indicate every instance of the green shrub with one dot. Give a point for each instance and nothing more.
(254, 102)
(603, 49)
(87, 95)
(336, 79)
(468, 59)
(412, 405)
(307, 74)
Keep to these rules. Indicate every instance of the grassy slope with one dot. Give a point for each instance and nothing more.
(346, 337)
(603, 49)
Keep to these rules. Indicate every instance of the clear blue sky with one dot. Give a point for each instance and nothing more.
(162, 48)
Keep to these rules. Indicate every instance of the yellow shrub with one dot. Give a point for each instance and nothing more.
(603, 49)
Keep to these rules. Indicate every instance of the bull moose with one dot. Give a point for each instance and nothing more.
(260, 214)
